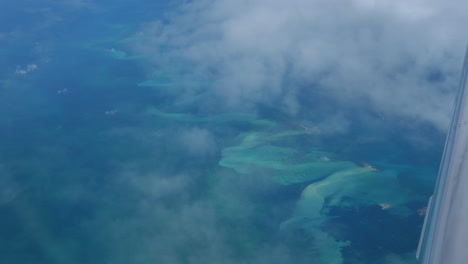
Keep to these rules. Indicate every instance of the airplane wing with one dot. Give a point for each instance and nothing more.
(444, 239)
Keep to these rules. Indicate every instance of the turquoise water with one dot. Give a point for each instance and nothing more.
(109, 155)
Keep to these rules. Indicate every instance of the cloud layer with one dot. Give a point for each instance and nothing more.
(392, 57)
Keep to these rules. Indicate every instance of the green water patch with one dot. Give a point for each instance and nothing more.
(111, 45)
(253, 139)
(247, 160)
(221, 118)
(120, 54)
(334, 183)
(279, 162)
(167, 83)
(358, 186)
(257, 152)
(310, 171)
(191, 99)
(323, 247)
(349, 188)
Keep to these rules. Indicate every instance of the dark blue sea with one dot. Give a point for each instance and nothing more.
(144, 132)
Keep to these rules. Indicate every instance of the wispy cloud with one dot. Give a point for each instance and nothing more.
(29, 68)
(394, 58)
(198, 141)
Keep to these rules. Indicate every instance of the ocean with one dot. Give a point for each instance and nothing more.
(121, 143)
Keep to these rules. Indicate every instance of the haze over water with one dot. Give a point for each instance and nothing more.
(222, 131)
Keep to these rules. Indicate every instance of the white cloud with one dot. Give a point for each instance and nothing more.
(21, 72)
(399, 57)
(29, 68)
